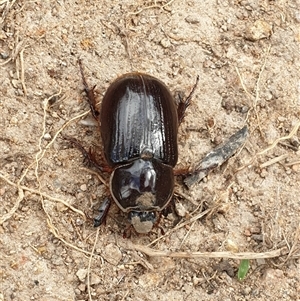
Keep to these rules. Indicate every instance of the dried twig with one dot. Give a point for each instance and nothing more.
(242, 255)
(274, 160)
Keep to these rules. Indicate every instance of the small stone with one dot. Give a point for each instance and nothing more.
(4, 56)
(247, 290)
(297, 16)
(258, 237)
(180, 210)
(81, 274)
(247, 233)
(82, 287)
(83, 187)
(165, 43)
(259, 30)
(15, 83)
(79, 222)
(112, 254)
(193, 19)
(95, 279)
(14, 120)
(54, 115)
(197, 280)
(296, 168)
(231, 246)
(47, 136)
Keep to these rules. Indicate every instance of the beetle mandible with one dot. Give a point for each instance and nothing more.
(139, 123)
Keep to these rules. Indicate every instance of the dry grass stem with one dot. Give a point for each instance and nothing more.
(242, 82)
(23, 72)
(187, 234)
(243, 255)
(273, 161)
(274, 144)
(292, 163)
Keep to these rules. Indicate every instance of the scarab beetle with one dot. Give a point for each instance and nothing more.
(139, 122)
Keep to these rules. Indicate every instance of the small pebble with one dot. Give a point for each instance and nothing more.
(47, 136)
(81, 274)
(247, 233)
(82, 287)
(14, 120)
(112, 254)
(192, 19)
(259, 30)
(231, 246)
(95, 279)
(4, 56)
(165, 43)
(83, 187)
(180, 210)
(247, 290)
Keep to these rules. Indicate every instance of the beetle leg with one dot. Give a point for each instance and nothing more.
(103, 210)
(89, 156)
(171, 209)
(184, 104)
(89, 93)
(127, 231)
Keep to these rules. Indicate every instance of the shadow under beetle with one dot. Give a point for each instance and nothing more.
(139, 122)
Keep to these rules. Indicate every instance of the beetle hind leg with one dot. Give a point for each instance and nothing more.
(89, 156)
(184, 104)
(89, 93)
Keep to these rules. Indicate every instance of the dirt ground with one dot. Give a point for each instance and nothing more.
(247, 56)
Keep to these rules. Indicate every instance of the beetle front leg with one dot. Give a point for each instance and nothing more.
(103, 211)
(89, 93)
(184, 104)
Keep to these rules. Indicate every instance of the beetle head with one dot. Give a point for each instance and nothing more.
(142, 188)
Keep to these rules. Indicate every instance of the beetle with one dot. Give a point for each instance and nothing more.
(138, 122)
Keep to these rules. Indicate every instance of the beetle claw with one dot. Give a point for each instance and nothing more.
(184, 104)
